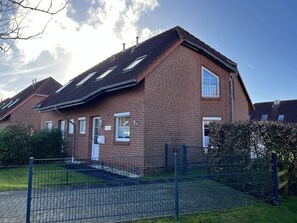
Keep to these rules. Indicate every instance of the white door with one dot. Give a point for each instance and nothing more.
(95, 134)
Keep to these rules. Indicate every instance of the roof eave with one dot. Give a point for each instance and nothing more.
(83, 100)
(210, 55)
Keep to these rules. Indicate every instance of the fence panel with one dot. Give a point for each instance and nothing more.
(128, 188)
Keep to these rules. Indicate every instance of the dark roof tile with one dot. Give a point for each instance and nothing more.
(154, 48)
(43, 87)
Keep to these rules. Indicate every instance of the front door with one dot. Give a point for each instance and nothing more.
(95, 134)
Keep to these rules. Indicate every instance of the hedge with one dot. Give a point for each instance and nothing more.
(260, 139)
(18, 143)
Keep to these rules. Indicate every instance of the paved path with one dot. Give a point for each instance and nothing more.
(13, 206)
(118, 203)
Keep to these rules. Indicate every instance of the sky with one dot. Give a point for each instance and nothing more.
(260, 36)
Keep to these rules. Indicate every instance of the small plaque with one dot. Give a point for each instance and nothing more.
(107, 127)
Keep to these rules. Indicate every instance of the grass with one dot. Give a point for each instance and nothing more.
(260, 213)
(192, 172)
(16, 178)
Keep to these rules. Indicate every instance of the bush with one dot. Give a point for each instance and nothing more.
(257, 139)
(14, 145)
(18, 143)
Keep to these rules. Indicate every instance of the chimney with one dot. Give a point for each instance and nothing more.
(276, 102)
(137, 38)
(124, 46)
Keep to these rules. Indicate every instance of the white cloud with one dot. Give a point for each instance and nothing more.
(108, 24)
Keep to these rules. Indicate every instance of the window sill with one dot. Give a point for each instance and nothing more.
(121, 143)
(81, 134)
(211, 98)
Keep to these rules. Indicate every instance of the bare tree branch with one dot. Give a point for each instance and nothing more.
(12, 20)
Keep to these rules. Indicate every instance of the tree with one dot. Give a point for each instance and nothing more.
(12, 16)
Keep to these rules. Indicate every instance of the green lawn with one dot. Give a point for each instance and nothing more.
(260, 213)
(44, 176)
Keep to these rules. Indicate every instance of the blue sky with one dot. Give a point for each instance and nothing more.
(260, 36)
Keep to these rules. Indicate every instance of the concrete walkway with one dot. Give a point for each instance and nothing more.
(118, 203)
(13, 206)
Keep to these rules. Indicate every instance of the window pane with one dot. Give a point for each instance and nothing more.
(82, 126)
(123, 128)
(210, 84)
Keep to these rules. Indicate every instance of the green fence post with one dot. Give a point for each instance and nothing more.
(176, 186)
(29, 195)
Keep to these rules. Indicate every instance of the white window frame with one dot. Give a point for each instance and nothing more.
(202, 81)
(104, 74)
(82, 125)
(264, 117)
(118, 116)
(281, 117)
(48, 125)
(61, 88)
(70, 126)
(206, 120)
(135, 63)
(86, 78)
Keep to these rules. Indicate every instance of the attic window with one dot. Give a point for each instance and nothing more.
(281, 118)
(86, 78)
(106, 73)
(65, 85)
(134, 63)
(264, 117)
(13, 103)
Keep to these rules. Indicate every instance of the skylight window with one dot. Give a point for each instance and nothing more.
(86, 78)
(106, 73)
(281, 118)
(13, 103)
(264, 117)
(134, 63)
(65, 85)
(7, 105)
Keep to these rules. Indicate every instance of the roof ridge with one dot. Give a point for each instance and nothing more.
(42, 84)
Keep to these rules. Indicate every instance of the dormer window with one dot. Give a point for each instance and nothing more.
(210, 84)
(134, 63)
(86, 78)
(60, 89)
(281, 118)
(106, 73)
(264, 117)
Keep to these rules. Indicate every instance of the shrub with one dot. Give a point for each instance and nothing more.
(18, 143)
(260, 138)
(14, 145)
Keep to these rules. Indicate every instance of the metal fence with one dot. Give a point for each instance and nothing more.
(120, 188)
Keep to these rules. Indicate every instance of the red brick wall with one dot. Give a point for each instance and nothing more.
(105, 107)
(241, 112)
(174, 106)
(25, 115)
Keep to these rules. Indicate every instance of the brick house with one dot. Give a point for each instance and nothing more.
(18, 109)
(283, 111)
(163, 90)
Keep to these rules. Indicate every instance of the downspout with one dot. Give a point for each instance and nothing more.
(73, 135)
(232, 93)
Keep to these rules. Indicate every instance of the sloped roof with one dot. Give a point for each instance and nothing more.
(288, 108)
(44, 87)
(154, 49)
